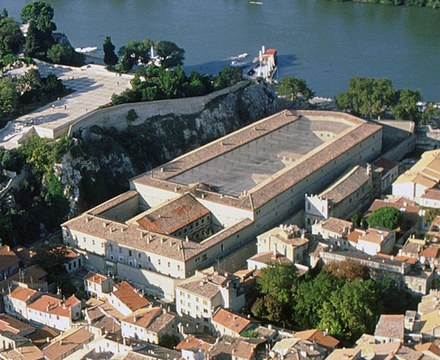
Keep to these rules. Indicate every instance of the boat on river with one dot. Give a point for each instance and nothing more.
(87, 49)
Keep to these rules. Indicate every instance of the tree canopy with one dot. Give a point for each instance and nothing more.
(277, 280)
(110, 57)
(170, 54)
(39, 13)
(386, 217)
(11, 37)
(294, 88)
(369, 97)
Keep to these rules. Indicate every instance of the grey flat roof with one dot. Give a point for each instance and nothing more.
(246, 166)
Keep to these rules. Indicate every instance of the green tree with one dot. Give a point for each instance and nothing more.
(277, 280)
(41, 14)
(51, 257)
(39, 39)
(350, 312)
(65, 54)
(266, 307)
(227, 76)
(131, 116)
(429, 114)
(110, 57)
(367, 97)
(36, 43)
(310, 296)
(170, 54)
(9, 96)
(11, 37)
(294, 88)
(407, 108)
(386, 217)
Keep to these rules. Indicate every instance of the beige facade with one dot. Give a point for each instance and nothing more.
(201, 295)
(277, 160)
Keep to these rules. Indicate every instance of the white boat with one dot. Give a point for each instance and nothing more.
(87, 49)
(239, 57)
(238, 63)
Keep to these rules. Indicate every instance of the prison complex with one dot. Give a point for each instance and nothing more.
(205, 205)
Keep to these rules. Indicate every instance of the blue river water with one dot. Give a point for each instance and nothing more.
(324, 42)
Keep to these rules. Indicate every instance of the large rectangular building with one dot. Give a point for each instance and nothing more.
(203, 206)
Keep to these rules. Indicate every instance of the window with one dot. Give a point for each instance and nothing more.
(129, 253)
(158, 261)
(205, 302)
(222, 247)
(93, 242)
(169, 264)
(139, 255)
(178, 267)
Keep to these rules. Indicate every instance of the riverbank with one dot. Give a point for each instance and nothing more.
(433, 4)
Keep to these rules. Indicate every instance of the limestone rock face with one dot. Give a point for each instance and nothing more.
(106, 157)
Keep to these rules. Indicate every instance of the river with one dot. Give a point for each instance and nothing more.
(324, 42)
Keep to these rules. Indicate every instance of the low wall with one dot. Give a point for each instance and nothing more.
(115, 116)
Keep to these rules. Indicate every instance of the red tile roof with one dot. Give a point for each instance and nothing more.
(192, 342)
(231, 320)
(22, 293)
(318, 337)
(52, 305)
(174, 215)
(13, 325)
(129, 296)
(7, 257)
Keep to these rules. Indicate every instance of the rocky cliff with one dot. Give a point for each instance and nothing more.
(105, 158)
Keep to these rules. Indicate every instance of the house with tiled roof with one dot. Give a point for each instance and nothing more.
(345, 354)
(207, 290)
(237, 348)
(282, 244)
(54, 312)
(74, 260)
(424, 175)
(297, 349)
(9, 262)
(318, 337)
(226, 322)
(33, 277)
(390, 328)
(16, 300)
(332, 229)
(16, 347)
(194, 348)
(182, 217)
(67, 343)
(431, 198)
(376, 240)
(126, 299)
(98, 285)
(15, 326)
(148, 324)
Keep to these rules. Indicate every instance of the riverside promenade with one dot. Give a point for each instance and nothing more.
(93, 87)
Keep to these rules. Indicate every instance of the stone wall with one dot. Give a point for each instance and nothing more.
(115, 116)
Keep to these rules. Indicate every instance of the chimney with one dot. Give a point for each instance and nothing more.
(186, 238)
(112, 230)
(162, 240)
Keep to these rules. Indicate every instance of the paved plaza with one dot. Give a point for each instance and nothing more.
(93, 87)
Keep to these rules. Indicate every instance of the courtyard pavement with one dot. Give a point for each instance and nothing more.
(93, 87)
